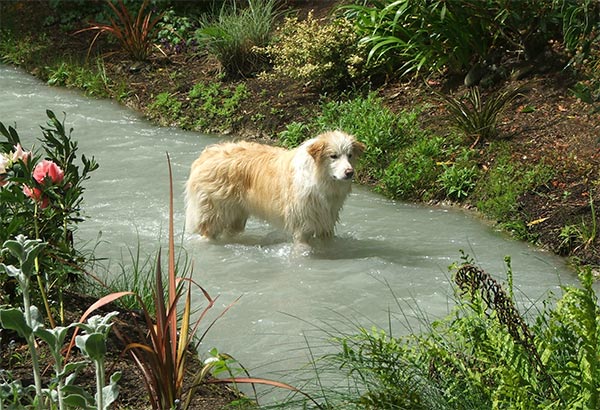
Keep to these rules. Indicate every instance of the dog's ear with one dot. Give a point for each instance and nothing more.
(316, 150)
(358, 148)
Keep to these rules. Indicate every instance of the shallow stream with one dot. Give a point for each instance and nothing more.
(385, 251)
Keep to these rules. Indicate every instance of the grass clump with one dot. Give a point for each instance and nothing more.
(89, 78)
(235, 33)
(166, 108)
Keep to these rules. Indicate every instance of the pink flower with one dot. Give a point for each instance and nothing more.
(20, 154)
(36, 195)
(48, 169)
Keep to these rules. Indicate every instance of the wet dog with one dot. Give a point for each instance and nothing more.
(301, 190)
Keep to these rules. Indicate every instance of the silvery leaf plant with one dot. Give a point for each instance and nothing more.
(62, 393)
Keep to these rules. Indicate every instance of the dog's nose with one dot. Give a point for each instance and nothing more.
(349, 173)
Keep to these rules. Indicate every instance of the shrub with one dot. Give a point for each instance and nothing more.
(175, 33)
(324, 55)
(234, 35)
(413, 35)
(40, 197)
(26, 322)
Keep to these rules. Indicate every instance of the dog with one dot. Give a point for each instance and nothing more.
(301, 190)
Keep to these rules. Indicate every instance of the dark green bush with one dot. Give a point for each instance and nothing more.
(417, 35)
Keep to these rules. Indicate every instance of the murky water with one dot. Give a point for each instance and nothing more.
(381, 244)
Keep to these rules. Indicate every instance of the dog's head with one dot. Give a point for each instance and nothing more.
(336, 153)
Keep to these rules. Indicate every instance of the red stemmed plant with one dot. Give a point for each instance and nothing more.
(134, 34)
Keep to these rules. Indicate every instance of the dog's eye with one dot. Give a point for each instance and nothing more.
(349, 156)
(333, 156)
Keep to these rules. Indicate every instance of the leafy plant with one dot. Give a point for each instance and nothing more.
(175, 32)
(413, 173)
(216, 103)
(322, 54)
(477, 117)
(498, 191)
(484, 354)
(27, 324)
(235, 33)
(413, 36)
(294, 134)
(135, 35)
(458, 181)
(40, 197)
(92, 80)
(574, 236)
(166, 107)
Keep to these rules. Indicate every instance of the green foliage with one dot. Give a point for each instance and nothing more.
(175, 32)
(166, 107)
(581, 21)
(414, 36)
(571, 344)
(20, 50)
(234, 35)
(412, 175)
(325, 55)
(294, 134)
(497, 193)
(63, 392)
(579, 235)
(40, 197)
(485, 354)
(477, 117)
(458, 181)
(92, 80)
(216, 103)
(135, 34)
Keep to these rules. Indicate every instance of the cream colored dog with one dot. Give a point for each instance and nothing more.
(300, 190)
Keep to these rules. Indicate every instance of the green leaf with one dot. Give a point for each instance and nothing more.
(78, 401)
(71, 369)
(92, 345)
(14, 319)
(111, 391)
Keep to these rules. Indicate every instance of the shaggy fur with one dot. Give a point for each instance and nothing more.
(300, 190)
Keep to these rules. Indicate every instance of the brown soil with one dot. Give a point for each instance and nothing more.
(560, 131)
